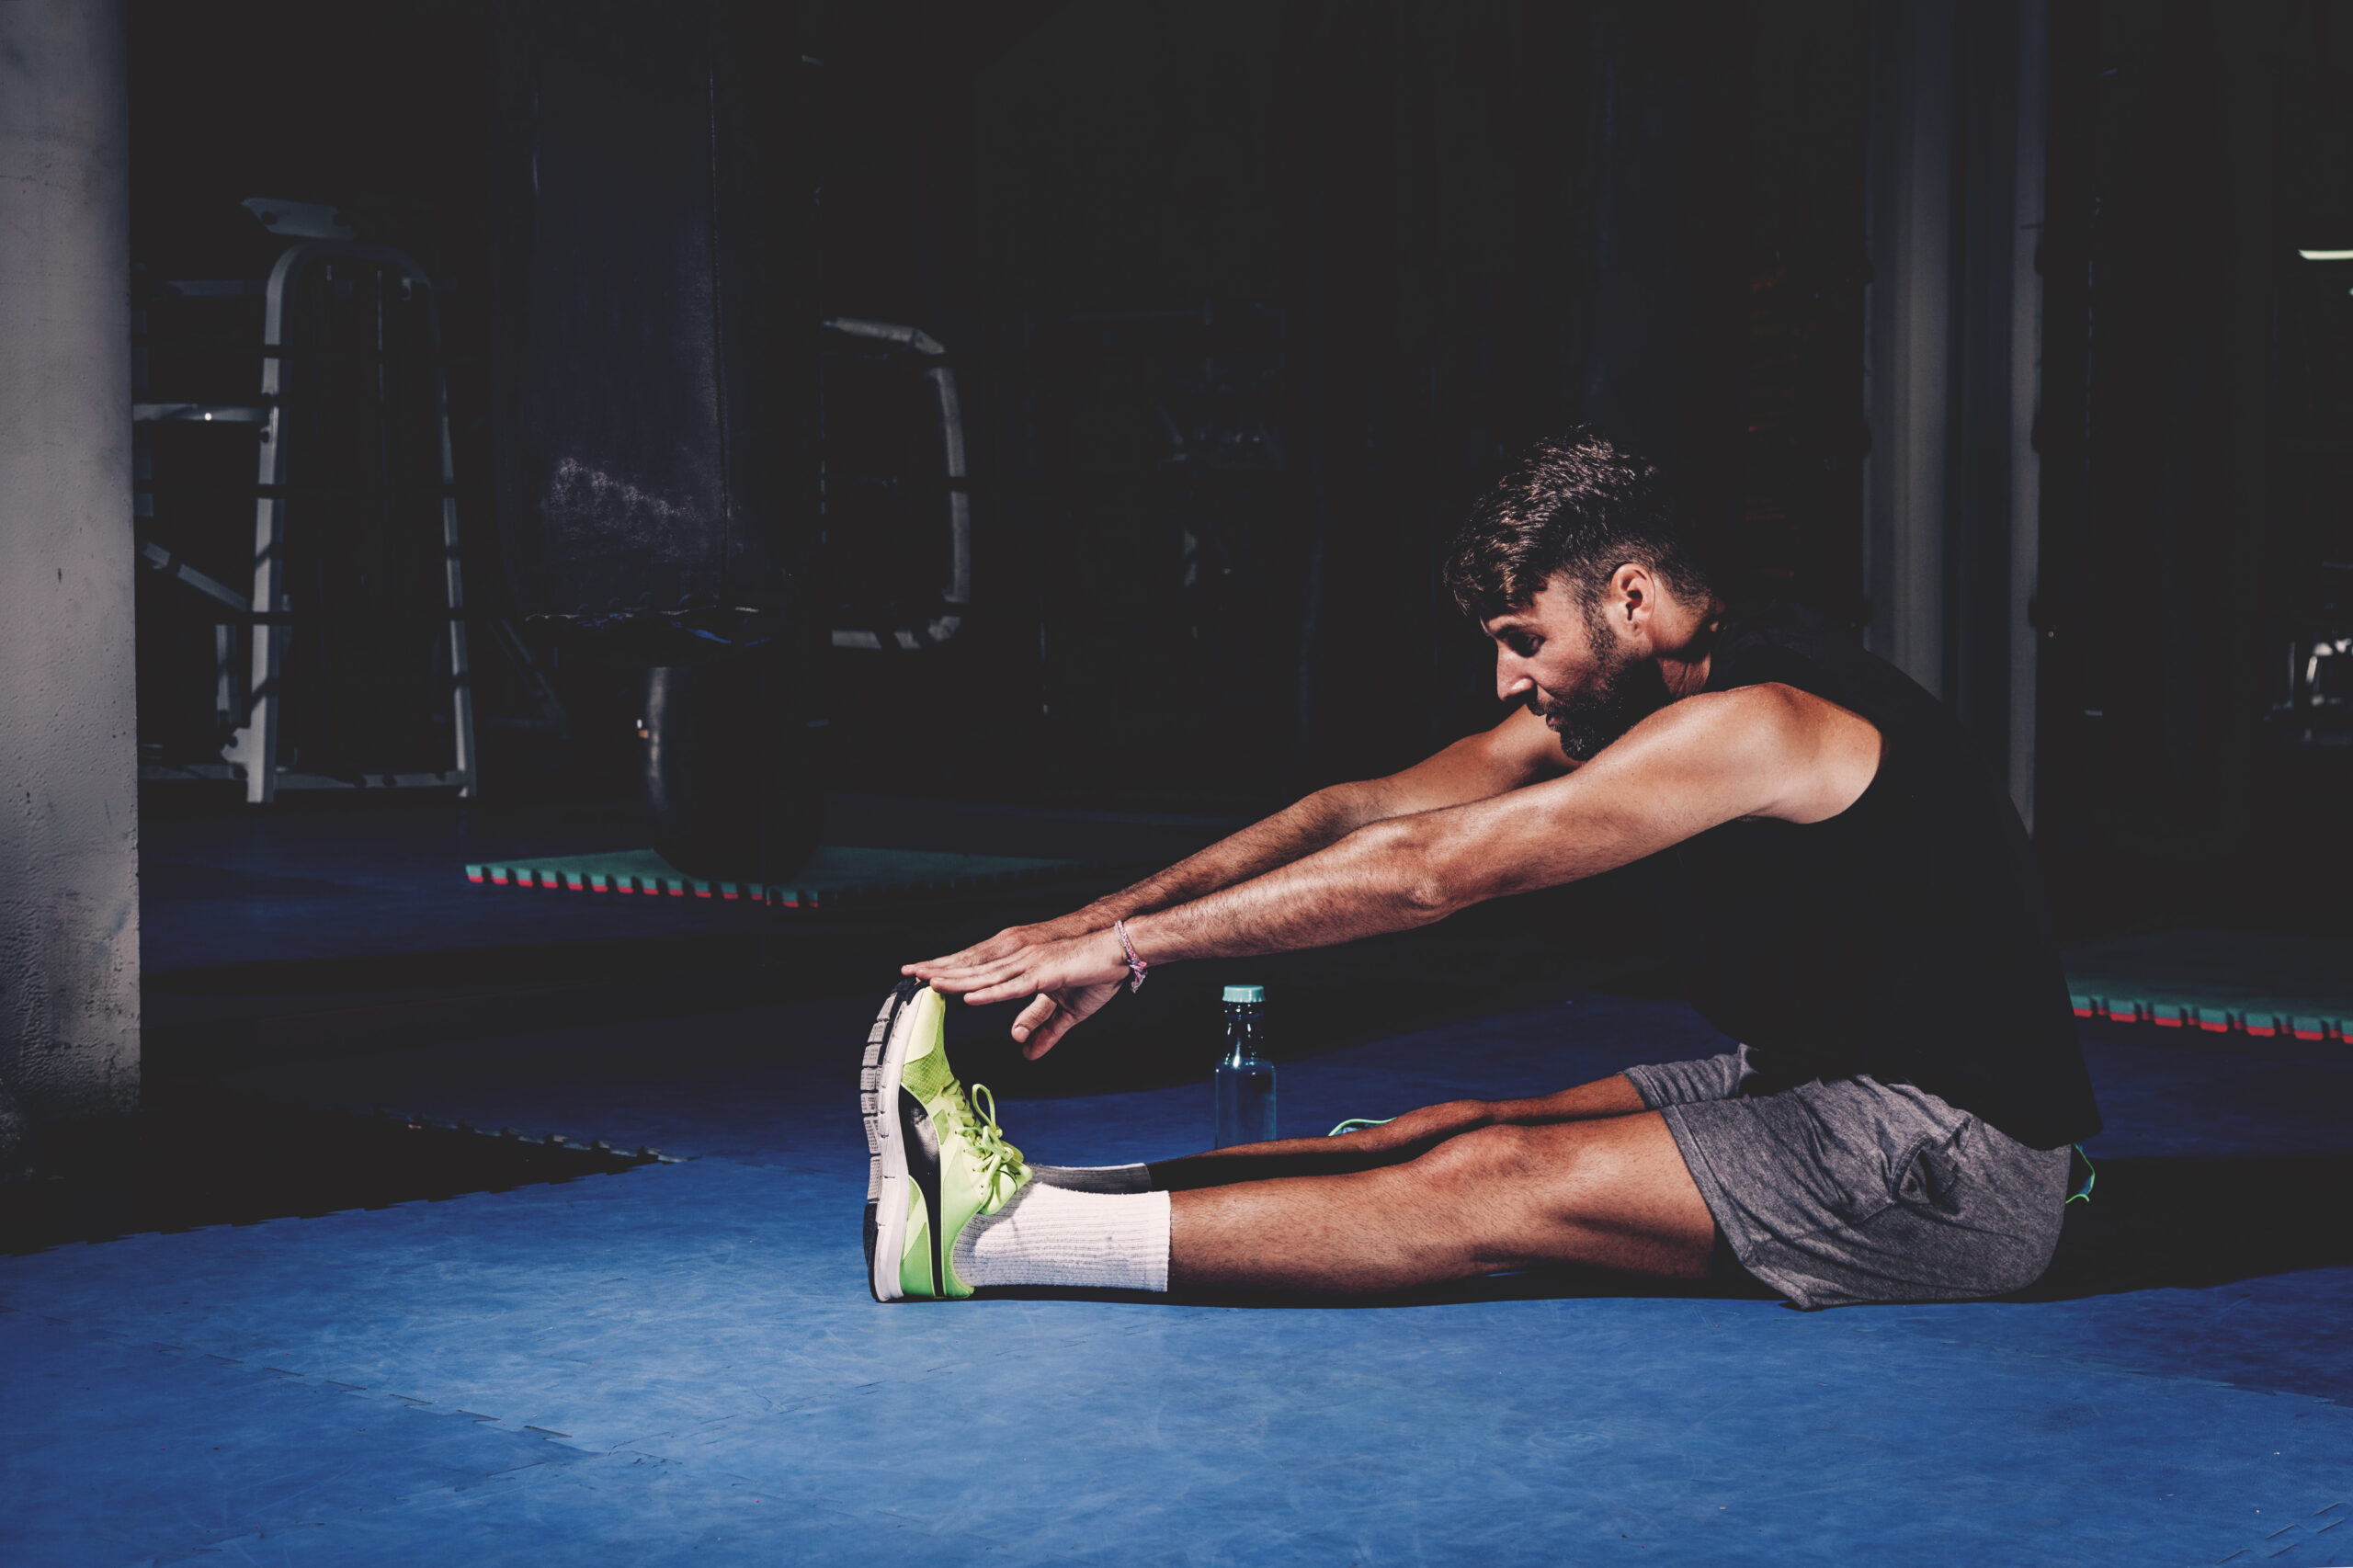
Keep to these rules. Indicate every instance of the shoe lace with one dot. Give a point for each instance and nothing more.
(1000, 1162)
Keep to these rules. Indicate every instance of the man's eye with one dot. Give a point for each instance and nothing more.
(1524, 646)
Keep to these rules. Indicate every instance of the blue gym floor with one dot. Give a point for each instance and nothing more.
(680, 1363)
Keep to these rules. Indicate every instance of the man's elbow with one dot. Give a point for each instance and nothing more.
(1342, 809)
(1432, 881)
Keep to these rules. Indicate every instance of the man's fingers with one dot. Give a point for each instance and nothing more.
(1033, 1017)
(1073, 1007)
(1031, 970)
(993, 982)
(969, 958)
(941, 968)
(960, 956)
(1043, 1040)
(959, 982)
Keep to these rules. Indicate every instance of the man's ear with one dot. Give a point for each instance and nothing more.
(1633, 594)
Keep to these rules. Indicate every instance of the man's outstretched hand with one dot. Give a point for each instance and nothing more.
(1067, 976)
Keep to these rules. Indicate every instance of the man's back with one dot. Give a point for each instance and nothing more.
(1905, 937)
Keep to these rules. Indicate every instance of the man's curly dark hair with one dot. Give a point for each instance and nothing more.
(1576, 507)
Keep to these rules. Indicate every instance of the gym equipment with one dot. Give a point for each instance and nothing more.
(351, 345)
(896, 630)
(655, 327)
(313, 264)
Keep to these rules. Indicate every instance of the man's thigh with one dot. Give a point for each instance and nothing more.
(1606, 1194)
(1404, 1138)
(1612, 1192)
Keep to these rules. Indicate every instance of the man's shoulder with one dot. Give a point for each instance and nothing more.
(1792, 645)
(1776, 631)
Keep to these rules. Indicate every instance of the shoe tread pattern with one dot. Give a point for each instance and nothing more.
(872, 1107)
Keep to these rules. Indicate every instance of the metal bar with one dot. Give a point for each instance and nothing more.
(224, 663)
(170, 565)
(165, 772)
(211, 288)
(959, 592)
(461, 690)
(552, 715)
(255, 745)
(197, 413)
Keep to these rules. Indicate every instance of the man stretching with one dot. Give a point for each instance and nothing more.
(1855, 899)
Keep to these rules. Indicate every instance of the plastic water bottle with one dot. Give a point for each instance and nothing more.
(1245, 1079)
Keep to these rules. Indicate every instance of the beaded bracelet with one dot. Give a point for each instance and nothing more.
(1136, 966)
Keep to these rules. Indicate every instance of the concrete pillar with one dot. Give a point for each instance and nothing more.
(1910, 364)
(1952, 541)
(69, 886)
(2030, 157)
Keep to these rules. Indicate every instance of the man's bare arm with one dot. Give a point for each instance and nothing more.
(1476, 767)
(1766, 751)
(1517, 752)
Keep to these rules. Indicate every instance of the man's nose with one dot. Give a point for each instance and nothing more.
(1512, 679)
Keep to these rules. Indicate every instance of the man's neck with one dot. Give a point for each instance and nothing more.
(1684, 639)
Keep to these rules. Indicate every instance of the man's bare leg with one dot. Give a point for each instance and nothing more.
(1610, 1192)
(1448, 1192)
(1408, 1137)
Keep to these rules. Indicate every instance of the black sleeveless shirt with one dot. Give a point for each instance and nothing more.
(1905, 937)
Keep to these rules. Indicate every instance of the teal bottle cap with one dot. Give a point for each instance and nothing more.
(1245, 993)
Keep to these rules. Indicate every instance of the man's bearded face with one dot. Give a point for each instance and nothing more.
(1621, 690)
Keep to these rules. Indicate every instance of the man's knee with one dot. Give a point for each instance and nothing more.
(1486, 1154)
(1428, 1127)
(1571, 1164)
(1513, 1195)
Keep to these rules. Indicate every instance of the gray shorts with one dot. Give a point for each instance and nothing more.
(1845, 1191)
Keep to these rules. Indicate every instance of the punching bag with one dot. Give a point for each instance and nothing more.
(656, 394)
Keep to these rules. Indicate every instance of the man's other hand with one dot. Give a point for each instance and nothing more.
(1066, 978)
(1054, 1014)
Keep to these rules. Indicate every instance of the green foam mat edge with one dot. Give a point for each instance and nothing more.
(834, 875)
(2264, 984)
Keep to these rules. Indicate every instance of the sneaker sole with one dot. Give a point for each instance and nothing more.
(887, 1182)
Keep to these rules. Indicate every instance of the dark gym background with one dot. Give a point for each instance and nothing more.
(1247, 301)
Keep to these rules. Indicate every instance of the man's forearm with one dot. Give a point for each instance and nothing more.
(1374, 880)
(1322, 819)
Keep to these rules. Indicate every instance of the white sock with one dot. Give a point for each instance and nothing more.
(1049, 1236)
(1095, 1179)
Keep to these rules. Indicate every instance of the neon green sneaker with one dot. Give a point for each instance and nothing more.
(933, 1161)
